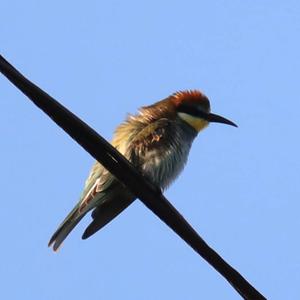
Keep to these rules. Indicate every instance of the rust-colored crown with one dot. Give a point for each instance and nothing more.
(168, 107)
(191, 96)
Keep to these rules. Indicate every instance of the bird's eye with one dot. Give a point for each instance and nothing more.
(192, 110)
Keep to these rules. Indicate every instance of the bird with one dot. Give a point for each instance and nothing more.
(157, 141)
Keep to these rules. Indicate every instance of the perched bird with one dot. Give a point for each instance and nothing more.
(157, 142)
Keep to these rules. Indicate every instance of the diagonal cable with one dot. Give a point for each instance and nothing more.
(124, 171)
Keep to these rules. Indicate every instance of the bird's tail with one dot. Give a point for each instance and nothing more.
(65, 228)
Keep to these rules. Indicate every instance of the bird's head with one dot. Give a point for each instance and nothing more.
(193, 107)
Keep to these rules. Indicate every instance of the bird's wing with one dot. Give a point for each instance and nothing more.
(119, 198)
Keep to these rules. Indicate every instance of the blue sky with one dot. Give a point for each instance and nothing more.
(240, 189)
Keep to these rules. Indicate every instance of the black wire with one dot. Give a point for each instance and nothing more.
(124, 171)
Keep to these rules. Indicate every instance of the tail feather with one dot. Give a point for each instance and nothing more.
(102, 214)
(65, 228)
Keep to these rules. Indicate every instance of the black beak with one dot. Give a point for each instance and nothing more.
(218, 119)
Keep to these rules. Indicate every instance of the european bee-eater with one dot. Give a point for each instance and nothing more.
(157, 142)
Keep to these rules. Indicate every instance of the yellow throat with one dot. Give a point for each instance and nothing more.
(197, 123)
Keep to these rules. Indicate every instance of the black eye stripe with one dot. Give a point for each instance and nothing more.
(192, 110)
